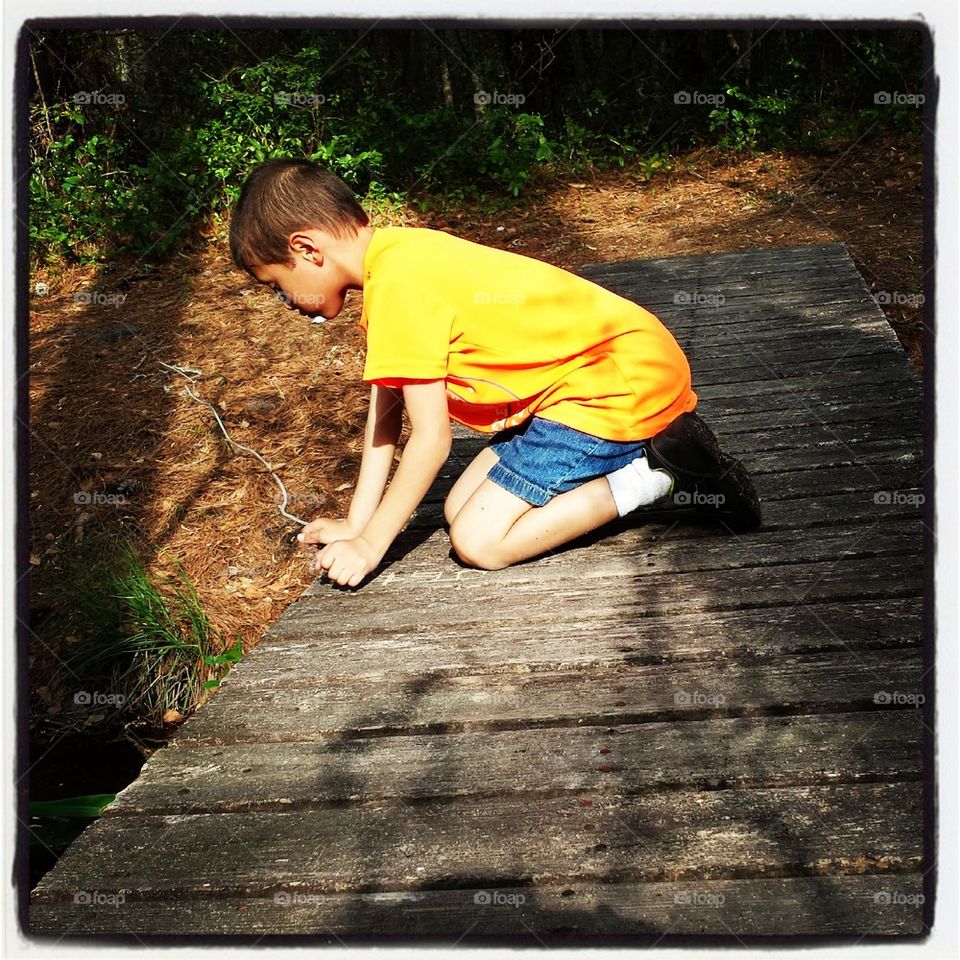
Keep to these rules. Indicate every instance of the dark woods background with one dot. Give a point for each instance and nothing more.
(137, 136)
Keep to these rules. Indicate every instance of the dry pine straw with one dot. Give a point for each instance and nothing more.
(105, 416)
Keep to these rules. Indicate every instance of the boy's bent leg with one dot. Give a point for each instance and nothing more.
(496, 528)
(467, 483)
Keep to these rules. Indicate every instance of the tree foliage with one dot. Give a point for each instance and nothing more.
(137, 135)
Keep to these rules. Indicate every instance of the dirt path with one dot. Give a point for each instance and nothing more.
(107, 420)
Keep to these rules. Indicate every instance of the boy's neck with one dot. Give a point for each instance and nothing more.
(354, 253)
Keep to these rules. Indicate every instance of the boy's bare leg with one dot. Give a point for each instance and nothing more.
(467, 483)
(567, 516)
(496, 528)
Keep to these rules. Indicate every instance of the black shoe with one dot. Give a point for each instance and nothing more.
(704, 476)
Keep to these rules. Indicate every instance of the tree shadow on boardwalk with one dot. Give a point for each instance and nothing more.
(368, 878)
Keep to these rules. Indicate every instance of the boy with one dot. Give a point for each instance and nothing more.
(587, 395)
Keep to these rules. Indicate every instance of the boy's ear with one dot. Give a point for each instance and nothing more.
(305, 244)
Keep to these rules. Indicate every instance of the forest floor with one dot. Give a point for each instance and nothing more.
(117, 448)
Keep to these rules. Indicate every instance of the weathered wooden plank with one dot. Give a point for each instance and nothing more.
(773, 390)
(295, 651)
(797, 317)
(632, 551)
(816, 435)
(636, 596)
(822, 282)
(732, 366)
(716, 302)
(871, 904)
(465, 841)
(764, 356)
(649, 541)
(789, 256)
(797, 321)
(819, 389)
(856, 411)
(334, 765)
(837, 453)
(311, 708)
(502, 640)
(762, 262)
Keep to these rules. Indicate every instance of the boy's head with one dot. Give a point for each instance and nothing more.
(294, 227)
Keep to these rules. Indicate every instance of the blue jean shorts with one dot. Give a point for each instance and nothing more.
(541, 458)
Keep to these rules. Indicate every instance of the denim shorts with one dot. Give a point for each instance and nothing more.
(541, 458)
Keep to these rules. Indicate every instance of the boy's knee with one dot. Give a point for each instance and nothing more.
(473, 553)
(449, 512)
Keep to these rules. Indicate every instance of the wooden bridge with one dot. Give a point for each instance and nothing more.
(659, 729)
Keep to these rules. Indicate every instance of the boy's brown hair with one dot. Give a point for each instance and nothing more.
(284, 195)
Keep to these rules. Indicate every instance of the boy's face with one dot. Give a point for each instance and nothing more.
(314, 286)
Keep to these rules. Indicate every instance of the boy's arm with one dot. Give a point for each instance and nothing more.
(422, 457)
(384, 424)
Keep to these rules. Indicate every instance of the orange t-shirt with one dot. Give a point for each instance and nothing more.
(513, 336)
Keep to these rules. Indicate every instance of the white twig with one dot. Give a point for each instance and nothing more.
(185, 373)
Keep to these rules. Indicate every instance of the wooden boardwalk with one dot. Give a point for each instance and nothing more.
(660, 729)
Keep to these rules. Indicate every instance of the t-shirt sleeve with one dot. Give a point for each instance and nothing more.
(408, 332)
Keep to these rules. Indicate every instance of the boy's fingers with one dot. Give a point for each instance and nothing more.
(313, 532)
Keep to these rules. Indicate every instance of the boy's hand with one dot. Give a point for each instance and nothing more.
(326, 530)
(347, 562)
(347, 558)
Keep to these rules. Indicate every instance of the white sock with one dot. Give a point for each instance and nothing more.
(637, 484)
